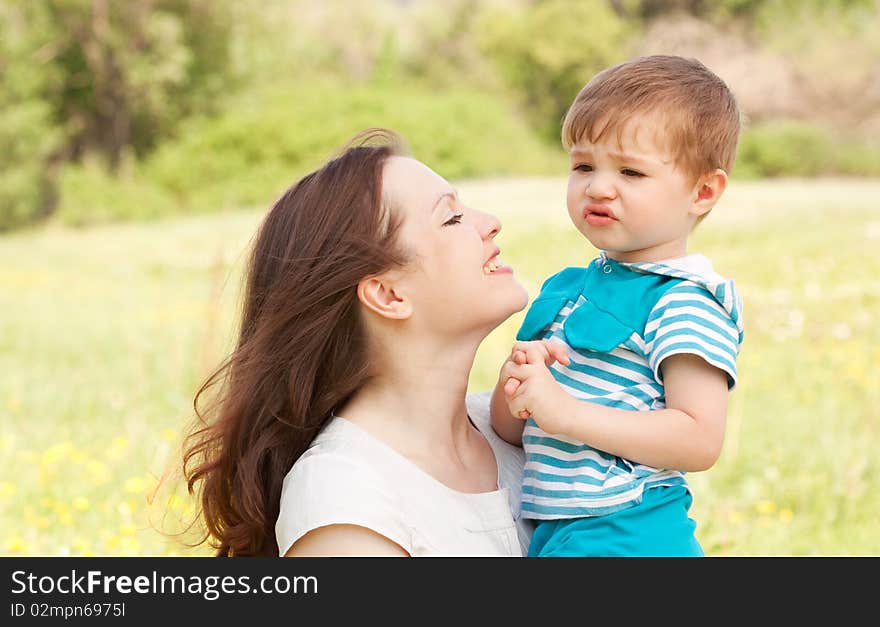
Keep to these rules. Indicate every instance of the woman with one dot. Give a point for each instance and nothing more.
(340, 423)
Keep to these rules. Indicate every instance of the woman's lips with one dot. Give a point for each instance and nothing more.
(496, 266)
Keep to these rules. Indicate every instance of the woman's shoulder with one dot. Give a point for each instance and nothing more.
(339, 480)
(337, 455)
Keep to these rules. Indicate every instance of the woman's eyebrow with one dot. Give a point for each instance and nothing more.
(453, 195)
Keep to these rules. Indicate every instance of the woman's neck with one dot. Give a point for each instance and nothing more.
(417, 401)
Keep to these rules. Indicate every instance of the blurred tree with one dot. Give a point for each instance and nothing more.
(28, 135)
(131, 70)
(439, 44)
(548, 50)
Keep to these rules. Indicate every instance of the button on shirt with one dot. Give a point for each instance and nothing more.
(619, 322)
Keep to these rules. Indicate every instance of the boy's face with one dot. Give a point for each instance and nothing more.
(629, 198)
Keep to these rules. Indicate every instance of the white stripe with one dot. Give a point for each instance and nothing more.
(674, 295)
(599, 501)
(555, 453)
(621, 353)
(614, 499)
(586, 470)
(711, 352)
(727, 340)
(540, 433)
(693, 311)
(636, 339)
(612, 482)
(619, 394)
(588, 379)
(563, 472)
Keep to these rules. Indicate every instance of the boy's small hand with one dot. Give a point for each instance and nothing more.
(527, 368)
(518, 357)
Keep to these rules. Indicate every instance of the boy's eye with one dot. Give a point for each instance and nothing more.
(583, 167)
(456, 219)
(631, 172)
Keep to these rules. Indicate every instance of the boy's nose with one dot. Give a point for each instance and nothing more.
(600, 187)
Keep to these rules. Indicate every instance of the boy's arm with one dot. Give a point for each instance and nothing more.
(687, 435)
(506, 425)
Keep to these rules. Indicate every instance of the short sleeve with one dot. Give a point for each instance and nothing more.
(331, 488)
(688, 319)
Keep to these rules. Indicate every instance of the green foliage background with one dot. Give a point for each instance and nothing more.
(121, 110)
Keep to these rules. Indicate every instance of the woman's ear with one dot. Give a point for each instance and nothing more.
(378, 294)
(707, 191)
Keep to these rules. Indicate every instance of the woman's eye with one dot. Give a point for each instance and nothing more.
(584, 167)
(456, 219)
(631, 172)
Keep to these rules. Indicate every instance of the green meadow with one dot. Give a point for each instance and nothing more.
(106, 333)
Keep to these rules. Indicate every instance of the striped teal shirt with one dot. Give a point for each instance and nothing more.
(620, 321)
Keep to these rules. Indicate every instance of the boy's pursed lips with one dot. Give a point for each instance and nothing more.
(599, 210)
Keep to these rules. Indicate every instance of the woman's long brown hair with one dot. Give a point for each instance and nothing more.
(301, 349)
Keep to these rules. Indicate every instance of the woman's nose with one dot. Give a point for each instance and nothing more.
(489, 224)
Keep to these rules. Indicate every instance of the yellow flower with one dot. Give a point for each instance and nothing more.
(735, 517)
(169, 435)
(80, 546)
(135, 485)
(7, 490)
(56, 453)
(117, 448)
(97, 471)
(765, 507)
(786, 515)
(14, 544)
(127, 529)
(130, 546)
(81, 503)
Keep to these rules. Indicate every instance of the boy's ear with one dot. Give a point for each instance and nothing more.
(707, 191)
(378, 294)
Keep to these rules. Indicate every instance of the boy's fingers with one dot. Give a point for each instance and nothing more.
(517, 408)
(530, 349)
(537, 354)
(557, 351)
(516, 371)
(511, 385)
(519, 357)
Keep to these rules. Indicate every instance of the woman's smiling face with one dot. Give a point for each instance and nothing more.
(457, 280)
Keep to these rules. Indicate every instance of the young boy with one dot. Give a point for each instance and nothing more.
(619, 381)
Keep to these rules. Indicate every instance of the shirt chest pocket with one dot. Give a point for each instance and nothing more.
(590, 328)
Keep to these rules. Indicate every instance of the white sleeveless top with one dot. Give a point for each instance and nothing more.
(347, 476)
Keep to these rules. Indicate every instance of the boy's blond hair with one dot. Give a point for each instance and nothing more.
(701, 120)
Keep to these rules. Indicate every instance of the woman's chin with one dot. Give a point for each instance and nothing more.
(516, 302)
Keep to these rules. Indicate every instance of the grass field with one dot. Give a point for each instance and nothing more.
(106, 333)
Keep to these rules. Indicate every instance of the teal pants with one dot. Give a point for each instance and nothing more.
(659, 526)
